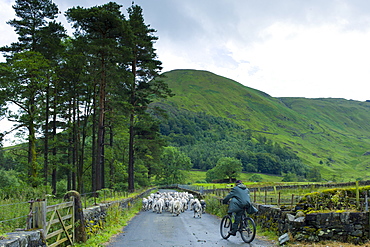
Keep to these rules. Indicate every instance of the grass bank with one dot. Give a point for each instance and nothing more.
(117, 219)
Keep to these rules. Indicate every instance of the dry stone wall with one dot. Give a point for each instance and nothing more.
(23, 238)
(351, 227)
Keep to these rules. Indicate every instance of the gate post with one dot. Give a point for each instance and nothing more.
(368, 219)
(39, 214)
(80, 231)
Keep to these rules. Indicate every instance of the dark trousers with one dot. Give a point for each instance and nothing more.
(238, 218)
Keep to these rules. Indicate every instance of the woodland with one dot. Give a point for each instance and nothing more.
(80, 101)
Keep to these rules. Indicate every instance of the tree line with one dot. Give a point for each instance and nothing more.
(225, 149)
(81, 102)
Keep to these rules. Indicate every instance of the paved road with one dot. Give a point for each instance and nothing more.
(148, 229)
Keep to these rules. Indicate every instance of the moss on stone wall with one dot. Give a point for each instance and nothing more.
(352, 227)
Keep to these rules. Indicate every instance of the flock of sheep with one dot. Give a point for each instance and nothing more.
(174, 202)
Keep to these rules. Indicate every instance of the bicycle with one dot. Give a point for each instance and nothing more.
(247, 227)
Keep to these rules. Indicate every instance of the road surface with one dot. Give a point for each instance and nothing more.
(149, 229)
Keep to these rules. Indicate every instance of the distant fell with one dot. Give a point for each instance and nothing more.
(328, 133)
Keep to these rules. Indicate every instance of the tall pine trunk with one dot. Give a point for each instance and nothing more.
(131, 179)
(46, 137)
(131, 151)
(94, 142)
(32, 145)
(101, 129)
(54, 149)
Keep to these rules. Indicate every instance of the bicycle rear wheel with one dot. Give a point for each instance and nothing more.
(225, 226)
(248, 231)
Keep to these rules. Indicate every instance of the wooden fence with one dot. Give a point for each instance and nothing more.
(289, 196)
(56, 221)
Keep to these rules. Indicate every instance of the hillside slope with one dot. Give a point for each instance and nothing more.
(331, 134)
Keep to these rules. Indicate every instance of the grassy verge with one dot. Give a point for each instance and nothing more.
(117, 218)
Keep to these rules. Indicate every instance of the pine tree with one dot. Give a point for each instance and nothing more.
(39, 37)
(24, 77)
(142, 87)
(100, 27)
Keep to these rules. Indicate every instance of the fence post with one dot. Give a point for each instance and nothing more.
(357, 195)
(259, 195)
(265, 196)
(368, 218)
(29, 216)
(39, 214)
(366, 203)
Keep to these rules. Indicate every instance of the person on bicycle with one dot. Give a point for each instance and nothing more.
(240, 199)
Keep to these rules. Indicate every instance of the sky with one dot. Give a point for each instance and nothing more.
(285, 48)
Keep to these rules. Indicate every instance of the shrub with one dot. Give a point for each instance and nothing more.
(214, 206)
(9, 179)
(255, 178)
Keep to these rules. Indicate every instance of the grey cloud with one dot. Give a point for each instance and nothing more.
(192, 20)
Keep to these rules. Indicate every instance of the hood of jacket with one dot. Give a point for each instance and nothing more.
(242, 186)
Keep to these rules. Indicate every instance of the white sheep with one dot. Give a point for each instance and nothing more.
(191, 204)
(177, 207)
(184, 204)
(145, 202)
(150, 203)
(197, 207)
(204, 204)
(170, 205)
(158, 206)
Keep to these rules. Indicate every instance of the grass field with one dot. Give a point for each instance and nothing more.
(199, 177)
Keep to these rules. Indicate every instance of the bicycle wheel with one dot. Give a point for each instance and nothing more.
(225, 226)
(248, 230)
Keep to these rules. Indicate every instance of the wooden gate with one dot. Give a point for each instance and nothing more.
(59, 219)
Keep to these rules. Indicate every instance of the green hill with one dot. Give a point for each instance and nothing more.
(329, 134)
